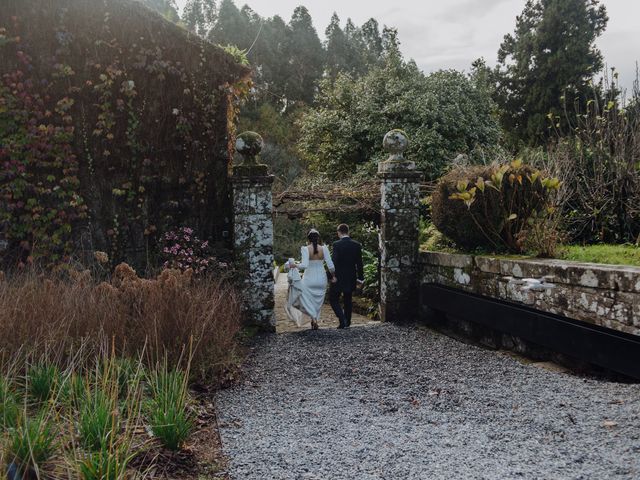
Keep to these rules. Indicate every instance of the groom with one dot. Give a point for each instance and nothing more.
(347, 257)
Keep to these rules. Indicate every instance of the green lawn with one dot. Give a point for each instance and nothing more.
(612, 254)
(607, 254)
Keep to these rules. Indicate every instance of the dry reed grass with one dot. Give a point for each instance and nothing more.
(164, 317)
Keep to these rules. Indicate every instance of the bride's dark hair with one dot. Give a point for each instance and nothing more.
(314, 237)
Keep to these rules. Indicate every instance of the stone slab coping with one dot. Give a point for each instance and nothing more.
(595, 275)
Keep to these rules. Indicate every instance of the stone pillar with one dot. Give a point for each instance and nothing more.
(253, 231)
(399, 231)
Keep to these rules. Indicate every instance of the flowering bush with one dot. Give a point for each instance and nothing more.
(183, 250)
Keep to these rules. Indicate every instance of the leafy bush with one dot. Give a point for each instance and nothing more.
(489, 206)
(444, 114)
(167, 410)
(371, 286)
(432, 239)
(542, 235)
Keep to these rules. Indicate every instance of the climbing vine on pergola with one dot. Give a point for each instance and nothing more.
(363, 197)
(295, 202)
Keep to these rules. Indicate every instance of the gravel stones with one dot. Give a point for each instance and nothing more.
(390, 402)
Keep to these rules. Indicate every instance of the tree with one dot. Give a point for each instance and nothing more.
(167, 8)
(336, 48)
(231, 27)
(274, 64)
(444, 114)
(306, 57)
(199, 16)
(550, 59)
(352, 50)
(372, 41)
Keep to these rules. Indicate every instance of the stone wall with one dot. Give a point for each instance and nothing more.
(604, 295)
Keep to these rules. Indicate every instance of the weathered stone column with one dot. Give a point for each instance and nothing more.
(399, 231)
(253, 231)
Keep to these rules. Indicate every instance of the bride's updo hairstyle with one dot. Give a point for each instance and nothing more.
(314, 237)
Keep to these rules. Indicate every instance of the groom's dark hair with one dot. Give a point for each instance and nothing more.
(343, 228)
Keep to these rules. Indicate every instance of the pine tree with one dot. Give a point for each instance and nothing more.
(274, 63)
(355, 62)
(372, 38)
(167, 8)
(336, 48)
(306, 57)
(231, 27)
(199, 16)
(548, 62)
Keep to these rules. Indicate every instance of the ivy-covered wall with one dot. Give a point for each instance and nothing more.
(114, 128)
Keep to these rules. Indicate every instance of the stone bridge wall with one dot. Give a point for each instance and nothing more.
(604, 295)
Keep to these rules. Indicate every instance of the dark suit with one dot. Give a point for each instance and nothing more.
(347, 258)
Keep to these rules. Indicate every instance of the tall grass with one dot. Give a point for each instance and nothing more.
(87, 370)
(9, 406)
(167, 409)
(160, 316)
(109, 413)
(42, 379)
(31, 443)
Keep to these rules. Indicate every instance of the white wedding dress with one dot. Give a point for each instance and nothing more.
(306, 293)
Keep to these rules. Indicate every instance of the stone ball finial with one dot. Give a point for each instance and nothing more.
(249, 144)
(396, 142)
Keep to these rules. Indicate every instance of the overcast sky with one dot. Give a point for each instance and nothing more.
(452, 33)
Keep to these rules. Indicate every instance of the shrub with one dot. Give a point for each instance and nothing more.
(542, 236)
(183, 250)
(488, 207)
(167, 410)
(432, 239)
(371, 287)
(598, 163)
(444, 113)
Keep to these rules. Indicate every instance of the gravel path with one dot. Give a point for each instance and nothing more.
(390, 402)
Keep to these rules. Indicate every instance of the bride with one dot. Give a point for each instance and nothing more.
(306, 293)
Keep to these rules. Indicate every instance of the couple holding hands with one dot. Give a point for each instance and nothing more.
(344, 273)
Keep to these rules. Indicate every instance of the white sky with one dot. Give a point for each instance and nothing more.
(452, 33)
